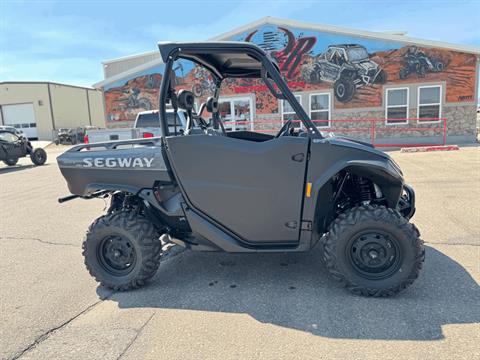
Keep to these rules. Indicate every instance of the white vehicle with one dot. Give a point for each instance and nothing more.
(14, 130)
(95, 136)
(148, 123)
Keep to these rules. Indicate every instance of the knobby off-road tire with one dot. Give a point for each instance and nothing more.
(38, 156)
(127, 233)
(344, 89)
(376, 231)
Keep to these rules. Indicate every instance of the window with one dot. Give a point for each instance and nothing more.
(320, 109)
(429, 103)
(396, 111)
(289, 114)
(236, 113)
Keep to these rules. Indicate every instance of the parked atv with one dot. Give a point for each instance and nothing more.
(348, 67)
(242, 191)
(417, 62)
(66, 136)
(13, 147)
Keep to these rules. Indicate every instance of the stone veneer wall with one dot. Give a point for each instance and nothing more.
(461, 122)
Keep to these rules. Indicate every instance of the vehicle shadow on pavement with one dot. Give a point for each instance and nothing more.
(294, 291)
(15, 168)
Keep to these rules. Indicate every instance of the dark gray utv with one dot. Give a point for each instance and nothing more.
(242, 191)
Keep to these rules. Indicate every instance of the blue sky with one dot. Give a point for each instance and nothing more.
(65, 41)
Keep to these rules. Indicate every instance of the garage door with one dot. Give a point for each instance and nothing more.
(21, 116)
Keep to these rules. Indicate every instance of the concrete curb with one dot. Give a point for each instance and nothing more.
(430, 148)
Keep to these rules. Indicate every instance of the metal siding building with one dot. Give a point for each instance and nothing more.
(405, 88)
(38, 108)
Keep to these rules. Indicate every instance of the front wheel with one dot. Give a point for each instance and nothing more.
(38, 156)
(344, 89)
(122, 250)
(373, 251)
(403, 74)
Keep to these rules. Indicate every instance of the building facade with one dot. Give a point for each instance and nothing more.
(39, 108)
(363, 84)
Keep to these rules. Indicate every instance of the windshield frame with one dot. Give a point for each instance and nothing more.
(356, 49)
(267, 66)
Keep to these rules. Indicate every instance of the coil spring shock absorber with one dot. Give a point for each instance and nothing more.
(364, 190)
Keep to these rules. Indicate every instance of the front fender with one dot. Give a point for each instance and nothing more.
(381, 172)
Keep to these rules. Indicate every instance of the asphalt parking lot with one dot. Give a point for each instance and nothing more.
(234, 306)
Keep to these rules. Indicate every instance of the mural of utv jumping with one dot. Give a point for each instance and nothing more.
(347, 66)
(416, 61)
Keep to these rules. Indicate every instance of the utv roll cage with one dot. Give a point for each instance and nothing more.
(227, 59)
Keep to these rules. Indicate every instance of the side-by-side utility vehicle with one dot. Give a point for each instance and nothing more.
(209, 189)
(13, 147)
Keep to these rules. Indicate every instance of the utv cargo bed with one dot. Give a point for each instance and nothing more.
(129, 165)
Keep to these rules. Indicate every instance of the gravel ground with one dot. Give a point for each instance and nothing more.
(236, 306)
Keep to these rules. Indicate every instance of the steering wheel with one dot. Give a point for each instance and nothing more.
(284, 129)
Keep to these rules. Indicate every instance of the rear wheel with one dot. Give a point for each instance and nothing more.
(38, 156)
(197, 90)
(11, 161)
(403, 74)
(373, 251)
(122, 250)
(439, 66)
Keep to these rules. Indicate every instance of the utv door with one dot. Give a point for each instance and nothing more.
(254, 189)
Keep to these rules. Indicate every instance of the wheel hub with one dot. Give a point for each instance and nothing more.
(374, 254)
(117, 255)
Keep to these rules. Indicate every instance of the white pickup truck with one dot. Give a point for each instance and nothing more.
(95, 136)
(148, 123)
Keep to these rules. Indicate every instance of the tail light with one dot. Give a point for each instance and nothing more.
(85, 139)
(147, 135)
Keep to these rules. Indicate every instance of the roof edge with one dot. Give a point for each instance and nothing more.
(129, 72)
(46, 83)
(129, 57)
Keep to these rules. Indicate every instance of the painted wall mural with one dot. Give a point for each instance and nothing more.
(355, 69)
(123, 100)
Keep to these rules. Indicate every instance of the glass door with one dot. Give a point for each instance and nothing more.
(236, 113)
